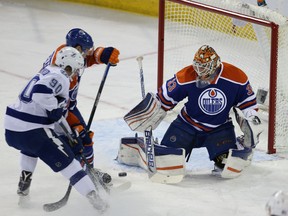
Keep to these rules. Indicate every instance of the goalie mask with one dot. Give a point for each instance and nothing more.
(70, 57)
(206, 63)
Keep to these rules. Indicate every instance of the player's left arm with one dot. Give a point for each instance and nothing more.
(248, 104)
(79, 127)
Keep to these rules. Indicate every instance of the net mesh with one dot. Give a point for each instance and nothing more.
(241, 43)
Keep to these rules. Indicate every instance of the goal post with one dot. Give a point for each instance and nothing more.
(252, 38)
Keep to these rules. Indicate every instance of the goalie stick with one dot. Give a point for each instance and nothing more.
(149, 146)
(153, 174)
(140, 59)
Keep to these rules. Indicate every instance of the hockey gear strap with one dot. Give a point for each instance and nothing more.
(148, 113)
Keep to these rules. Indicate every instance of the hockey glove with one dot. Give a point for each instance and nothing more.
(76, 144)
(85, 136)
(261, 3)
(105, 55)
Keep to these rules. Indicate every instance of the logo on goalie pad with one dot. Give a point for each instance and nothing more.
(149, 150)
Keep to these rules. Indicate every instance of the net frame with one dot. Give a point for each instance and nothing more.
(273, 54)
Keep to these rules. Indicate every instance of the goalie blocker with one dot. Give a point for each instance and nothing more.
(148, 113)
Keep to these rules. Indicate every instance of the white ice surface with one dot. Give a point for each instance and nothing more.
(30, 31)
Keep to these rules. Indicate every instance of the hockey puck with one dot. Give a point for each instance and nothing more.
(122, 174)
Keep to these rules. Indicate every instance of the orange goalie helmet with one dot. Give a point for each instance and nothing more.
(206, 61)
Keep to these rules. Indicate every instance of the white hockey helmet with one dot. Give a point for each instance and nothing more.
(206, 61)
(277, 205)
(71, 57)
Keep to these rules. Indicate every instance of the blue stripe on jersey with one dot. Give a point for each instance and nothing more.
(77, 177)
(39, 88)
(28, 117)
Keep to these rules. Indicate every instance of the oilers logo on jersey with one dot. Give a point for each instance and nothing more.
(212, 101)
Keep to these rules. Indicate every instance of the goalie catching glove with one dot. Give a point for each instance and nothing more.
(148, 113)
(251, 128)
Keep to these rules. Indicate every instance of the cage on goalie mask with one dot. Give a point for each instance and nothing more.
(148, 113)
(206, 61)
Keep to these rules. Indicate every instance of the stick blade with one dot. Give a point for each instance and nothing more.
(165, 179)
(50, 207)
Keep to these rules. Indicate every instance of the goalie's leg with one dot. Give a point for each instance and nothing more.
(229, 154)
(178, 135)
(219, 141)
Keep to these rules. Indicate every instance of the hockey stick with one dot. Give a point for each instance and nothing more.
(56, 205)
(49, 207)
(98, 96)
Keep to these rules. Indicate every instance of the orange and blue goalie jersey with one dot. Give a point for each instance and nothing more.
(207, 108)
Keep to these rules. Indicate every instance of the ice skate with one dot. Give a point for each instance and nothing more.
(24, 183)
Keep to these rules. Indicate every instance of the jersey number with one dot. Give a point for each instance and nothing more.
(26, 94)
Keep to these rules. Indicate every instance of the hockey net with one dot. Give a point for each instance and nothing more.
(242, 34)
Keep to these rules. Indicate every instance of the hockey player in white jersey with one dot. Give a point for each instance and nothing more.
(83, 42)
(29, 126)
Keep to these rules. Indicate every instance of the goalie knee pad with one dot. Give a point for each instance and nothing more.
(148, 113)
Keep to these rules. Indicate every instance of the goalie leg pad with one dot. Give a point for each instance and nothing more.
(236, 162)
(170, 162)
(148, 113)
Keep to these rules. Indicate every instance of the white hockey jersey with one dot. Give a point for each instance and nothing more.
(39, 95)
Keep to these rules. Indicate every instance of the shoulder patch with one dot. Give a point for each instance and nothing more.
(233, 73)
(186, 75)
